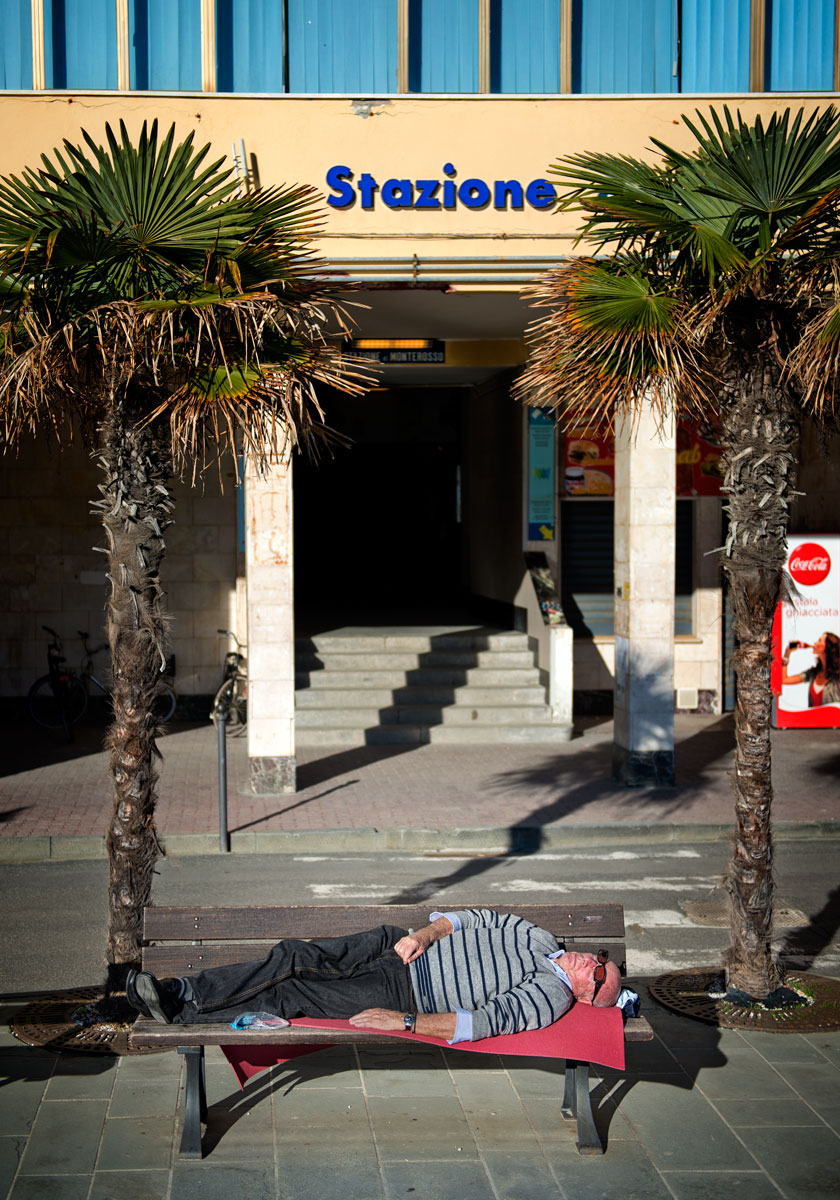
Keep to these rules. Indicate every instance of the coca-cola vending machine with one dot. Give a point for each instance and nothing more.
(806, 636)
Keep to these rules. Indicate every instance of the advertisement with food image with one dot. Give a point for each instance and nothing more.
(589, 468)
(589, 464)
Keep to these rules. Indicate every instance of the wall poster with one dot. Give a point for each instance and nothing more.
(541, 489)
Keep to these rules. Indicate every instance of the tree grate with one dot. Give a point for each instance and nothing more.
(686, 992)
(69, 1022)
(716, 914)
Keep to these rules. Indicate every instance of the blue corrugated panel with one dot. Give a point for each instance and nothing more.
(80, 43)
(443, 45)
(15, 44)
(165, 39)
(249, 46)
(342, 45)
(524, 45)
(801, 45)
(624, 46)
(715, 46)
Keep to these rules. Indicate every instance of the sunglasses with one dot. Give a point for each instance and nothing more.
(600, 972)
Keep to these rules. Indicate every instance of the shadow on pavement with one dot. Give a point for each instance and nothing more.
(803, 945)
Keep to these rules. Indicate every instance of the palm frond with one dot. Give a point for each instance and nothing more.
(615, 337)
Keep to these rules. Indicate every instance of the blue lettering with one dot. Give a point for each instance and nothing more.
(474, 193)
(367, 186)
(428, 191)
(504, 188)
(398, 193)
(540, 193)
(337, 179)
(449, 186)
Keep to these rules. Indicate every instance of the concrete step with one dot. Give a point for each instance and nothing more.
(405, 735)
(474, 697)
(348, 718)
(421, 676)
(418, 643)
(406, 660)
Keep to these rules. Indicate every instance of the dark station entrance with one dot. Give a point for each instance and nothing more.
(378, 524)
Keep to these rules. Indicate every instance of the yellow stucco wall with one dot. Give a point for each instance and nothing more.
(299, 139)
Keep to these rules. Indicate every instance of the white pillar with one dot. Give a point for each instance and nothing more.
(645, 519)
(561, 672)
(271, 631)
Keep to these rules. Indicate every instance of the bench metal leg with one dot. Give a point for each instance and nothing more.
(578, 1105)
(195, 1102)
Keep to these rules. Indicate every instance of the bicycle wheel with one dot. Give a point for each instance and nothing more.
(57, 711)
(165, 703)
(230, 703)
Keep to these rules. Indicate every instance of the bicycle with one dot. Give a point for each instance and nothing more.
(231, 700)
(59, 699)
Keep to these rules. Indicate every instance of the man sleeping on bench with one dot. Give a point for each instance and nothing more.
(469, 975)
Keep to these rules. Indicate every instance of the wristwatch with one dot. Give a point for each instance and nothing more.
(410, 1022)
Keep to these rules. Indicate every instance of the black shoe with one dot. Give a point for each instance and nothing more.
(161, 999)
(133, 998)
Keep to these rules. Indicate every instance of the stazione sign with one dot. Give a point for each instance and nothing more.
(448, 193)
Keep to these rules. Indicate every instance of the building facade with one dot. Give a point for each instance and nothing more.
(428, 126)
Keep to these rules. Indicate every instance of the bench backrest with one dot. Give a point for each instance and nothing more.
(181, 941)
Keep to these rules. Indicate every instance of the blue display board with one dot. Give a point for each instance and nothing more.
(541, 486)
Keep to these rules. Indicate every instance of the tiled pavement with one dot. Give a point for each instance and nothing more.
(700, 1113)
(51, 791)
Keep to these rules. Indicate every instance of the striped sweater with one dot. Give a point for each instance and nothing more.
(494, 966)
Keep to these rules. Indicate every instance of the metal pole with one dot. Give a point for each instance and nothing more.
(221, 729)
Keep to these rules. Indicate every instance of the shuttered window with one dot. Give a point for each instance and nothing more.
(443, 46)
(80, 44)
(801, 45)
(587, 580)
(525, 46)
(15, 44)
(250, 46)
(346, 45)
(165, 45)
(715, 46)
(625, 46)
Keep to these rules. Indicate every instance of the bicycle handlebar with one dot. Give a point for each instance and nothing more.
(52, 631)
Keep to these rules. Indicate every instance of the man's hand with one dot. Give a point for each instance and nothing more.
(379, 1018)
(439, 1025)
(417, 943)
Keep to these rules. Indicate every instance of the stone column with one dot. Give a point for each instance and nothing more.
(271, 630)
(645, 518)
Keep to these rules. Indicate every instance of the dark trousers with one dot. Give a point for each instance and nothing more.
(330, 977)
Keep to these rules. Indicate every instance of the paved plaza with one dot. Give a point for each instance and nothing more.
(700, 1112)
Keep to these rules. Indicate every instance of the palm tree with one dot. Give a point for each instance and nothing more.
(167, 319)
(712, 290)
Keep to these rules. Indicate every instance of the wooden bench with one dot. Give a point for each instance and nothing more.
(181, 941)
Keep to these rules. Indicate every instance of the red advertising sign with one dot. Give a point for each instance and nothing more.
(589, 467)
(805, 674)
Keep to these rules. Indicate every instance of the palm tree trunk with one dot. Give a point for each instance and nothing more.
(759, 432)
(135, 510)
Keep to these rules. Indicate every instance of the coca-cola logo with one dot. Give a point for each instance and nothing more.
(809, 564)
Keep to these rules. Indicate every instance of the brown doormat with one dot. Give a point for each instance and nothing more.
(69, 1021)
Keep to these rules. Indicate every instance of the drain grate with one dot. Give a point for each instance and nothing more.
(715, 914)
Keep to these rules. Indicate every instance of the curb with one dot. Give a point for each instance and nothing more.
(492, 840)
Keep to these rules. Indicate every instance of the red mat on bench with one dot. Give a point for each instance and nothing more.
(587, 1034)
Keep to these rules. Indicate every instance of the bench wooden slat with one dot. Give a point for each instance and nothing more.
(186, 960)
(151, 1033)
(272, 924)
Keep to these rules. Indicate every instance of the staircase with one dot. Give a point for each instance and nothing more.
(408, 687)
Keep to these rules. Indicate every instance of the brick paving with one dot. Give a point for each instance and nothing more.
(48, 789)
